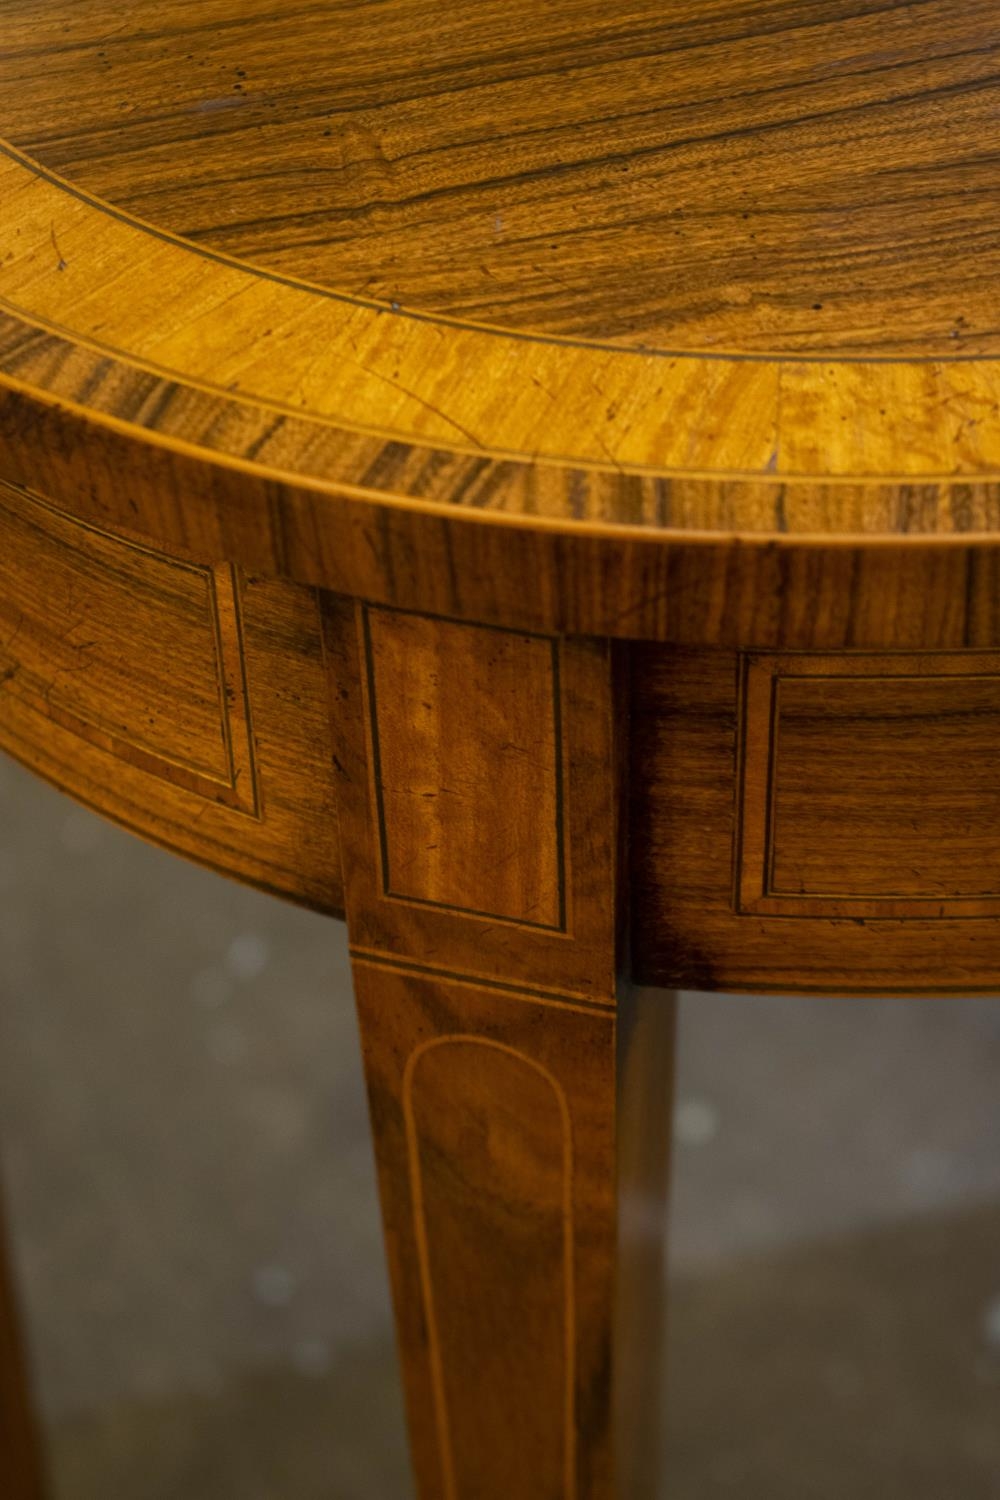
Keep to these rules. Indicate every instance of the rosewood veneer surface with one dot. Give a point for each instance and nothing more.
(526, 478)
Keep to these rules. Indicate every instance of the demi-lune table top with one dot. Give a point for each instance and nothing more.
(708, 275)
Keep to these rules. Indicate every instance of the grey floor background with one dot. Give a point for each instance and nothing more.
(188, 1170)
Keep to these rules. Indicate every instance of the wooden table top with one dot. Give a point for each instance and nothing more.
(722, 272)
(779, 178)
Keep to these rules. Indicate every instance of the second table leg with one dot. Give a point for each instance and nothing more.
(21, 1469)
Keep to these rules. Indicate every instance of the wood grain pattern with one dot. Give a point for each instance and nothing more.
(554, 808)
(847, 847)
(494, 1131)
(745, 587)
(518, 336)
(177, 695)
(22, 1469)
(504, 1120)
(869, 786)
(138, 652)
(491, 1054)
(300, 351)
(257, 429)
(820, 378)
(468, 792)
(546, 168)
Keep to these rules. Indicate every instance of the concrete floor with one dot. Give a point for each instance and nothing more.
(189, 1173)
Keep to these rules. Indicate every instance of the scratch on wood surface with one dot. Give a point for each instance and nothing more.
(60, 258)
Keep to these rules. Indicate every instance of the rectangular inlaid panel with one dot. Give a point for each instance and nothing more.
(175, 694)
(478, 774)
(467, 785)
(133, 650)
(816, 822)
(871, 783)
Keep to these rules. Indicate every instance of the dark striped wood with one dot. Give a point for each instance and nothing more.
(790, 175)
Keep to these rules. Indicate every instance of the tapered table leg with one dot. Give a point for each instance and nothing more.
(647, 1022)
(479, 810)
(21, 1474)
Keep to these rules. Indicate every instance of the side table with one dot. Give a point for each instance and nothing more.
(528, 479)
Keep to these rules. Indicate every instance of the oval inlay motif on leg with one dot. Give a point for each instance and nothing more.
(491, 1180)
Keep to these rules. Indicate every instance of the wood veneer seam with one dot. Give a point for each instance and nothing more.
(563, 999)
